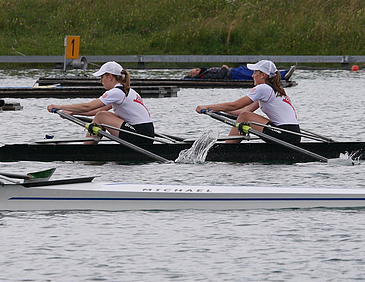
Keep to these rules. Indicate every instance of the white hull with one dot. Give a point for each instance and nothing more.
(119, 196)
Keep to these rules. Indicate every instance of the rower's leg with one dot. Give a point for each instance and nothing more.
(105, 117)
(246, 117)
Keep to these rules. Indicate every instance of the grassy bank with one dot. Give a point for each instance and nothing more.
(198, 27)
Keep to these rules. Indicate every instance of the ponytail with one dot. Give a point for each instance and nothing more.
(124, 79)
(274, 82)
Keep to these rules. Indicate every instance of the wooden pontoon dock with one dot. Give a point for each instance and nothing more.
(58, 91)
(135, 83)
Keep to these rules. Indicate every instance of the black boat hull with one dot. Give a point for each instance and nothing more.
(220, 152)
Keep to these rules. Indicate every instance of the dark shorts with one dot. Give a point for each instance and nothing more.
(143, 128)
(285, 136)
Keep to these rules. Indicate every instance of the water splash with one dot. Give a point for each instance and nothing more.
(199, 150)
(346, 159)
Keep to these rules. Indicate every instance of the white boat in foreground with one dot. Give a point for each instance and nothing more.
(84, 194)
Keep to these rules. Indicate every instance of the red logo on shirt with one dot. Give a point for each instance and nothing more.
(139, 100)
(105, 95)
(286, 99)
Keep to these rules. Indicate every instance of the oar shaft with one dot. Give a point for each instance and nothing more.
(71, 118)
(16, 176)
(134, 133)
(287, 131)
(228, 115)
(110, 136)
(85, 118)
(288, 145)
(268, 137)
(320, 136)
(170, 137)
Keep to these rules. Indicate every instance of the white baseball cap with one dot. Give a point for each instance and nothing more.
(265, 66)
(109, 67)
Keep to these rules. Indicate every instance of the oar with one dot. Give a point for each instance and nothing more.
(309, 134)
(224, 138)
(244, 128)
(84, 118)
(320, 136)
(228, 115)
(285, 130)
(169, 137)
(94, 129)
(15, 176)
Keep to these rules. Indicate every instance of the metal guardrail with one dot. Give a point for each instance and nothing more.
(142, 59)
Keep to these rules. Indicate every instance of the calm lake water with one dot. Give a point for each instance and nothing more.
(253, 245)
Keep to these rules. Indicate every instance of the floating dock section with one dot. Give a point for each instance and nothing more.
(79, 81)
(9, 106)
(58, 91)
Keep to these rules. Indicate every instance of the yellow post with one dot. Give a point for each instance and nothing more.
(72, 47)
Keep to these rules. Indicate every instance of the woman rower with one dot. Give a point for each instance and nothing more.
(271, 98)
(130, 114)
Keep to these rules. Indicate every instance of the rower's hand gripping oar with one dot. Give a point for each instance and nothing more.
(96, 130)
(244, 128)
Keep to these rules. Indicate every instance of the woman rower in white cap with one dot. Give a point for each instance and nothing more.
(129, 114)
(270, 97)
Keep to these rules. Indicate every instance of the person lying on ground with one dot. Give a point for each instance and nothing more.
(224, 72)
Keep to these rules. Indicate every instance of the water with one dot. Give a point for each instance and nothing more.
(198, 151)
(253, 245)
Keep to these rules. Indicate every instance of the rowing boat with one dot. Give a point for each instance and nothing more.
(277, 151)
(219, 152)
(84, 194)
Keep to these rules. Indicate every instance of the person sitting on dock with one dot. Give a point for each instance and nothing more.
(238, 73)
(130, 113)
(272, 100)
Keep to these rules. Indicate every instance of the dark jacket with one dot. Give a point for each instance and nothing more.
(214, 73)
